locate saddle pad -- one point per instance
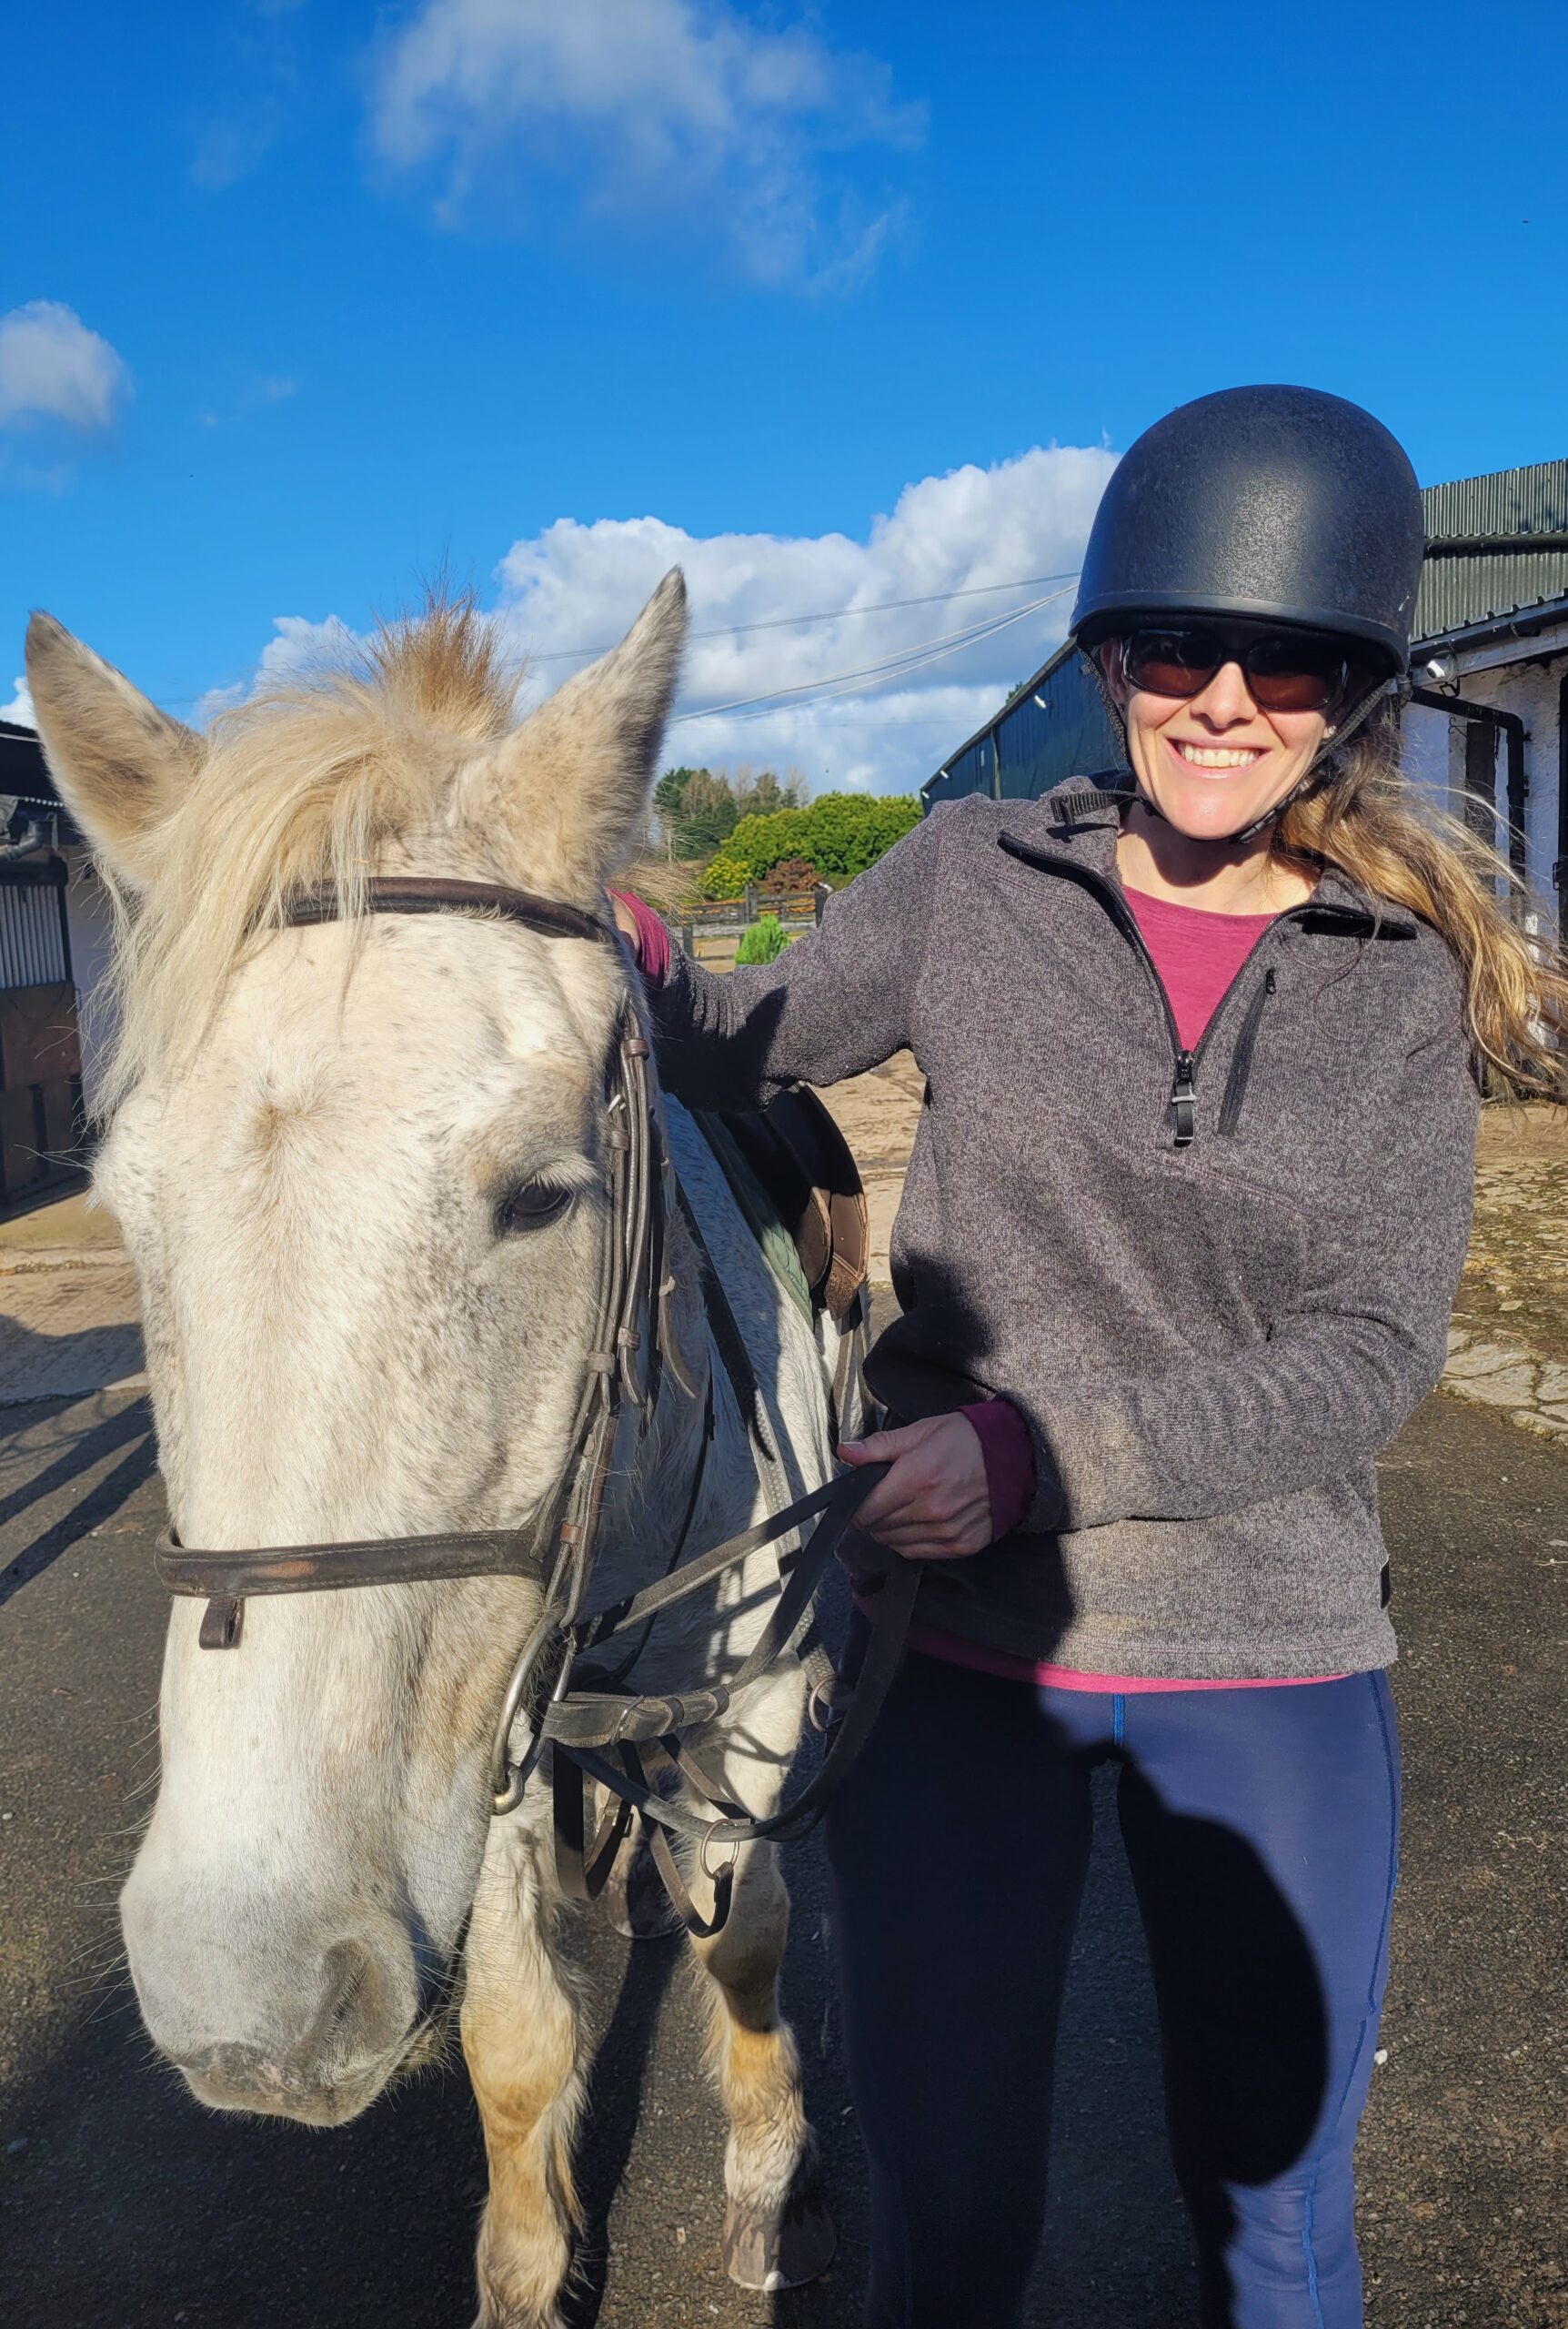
(763, 1216)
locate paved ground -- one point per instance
(67, 1305)
(126, 2207)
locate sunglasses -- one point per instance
(1286, 670)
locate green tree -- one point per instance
(668, 792)
(761, 941)
(762, 795)
(760, 843)
(707, 816)
(724, 876)
(846, 831)
(840, 834)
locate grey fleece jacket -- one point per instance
(1214, 1285)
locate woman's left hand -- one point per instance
(934, 1505)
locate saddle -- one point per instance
(789, 1167)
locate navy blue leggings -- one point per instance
(1262, 1830)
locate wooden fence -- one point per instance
(715, 926)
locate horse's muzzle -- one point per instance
(321, 2065)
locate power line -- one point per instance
(832, 614)
(901, 666)
(898, 665)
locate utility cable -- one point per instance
(832, 614)
(901, 666)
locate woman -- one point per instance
(1175, 1258)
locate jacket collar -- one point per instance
(1075, 827)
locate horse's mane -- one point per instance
(306, 781)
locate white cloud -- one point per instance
(297, 644)
(576, 586)
(52, 366)
(680, 109)
(568, 592)
(19, 711)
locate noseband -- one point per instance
(632, 1347)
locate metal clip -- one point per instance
(725, 1844)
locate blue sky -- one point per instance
(299, 301)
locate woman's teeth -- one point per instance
(1217, 755)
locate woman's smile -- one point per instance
(1215, 758)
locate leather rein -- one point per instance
(599, 1731)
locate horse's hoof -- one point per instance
(634, 1902)
(767, 2248)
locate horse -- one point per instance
(360, 1166)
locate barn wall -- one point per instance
(1530, 690)
(92, 930)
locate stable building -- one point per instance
(1488, 723)
(55, 934)
(1486, 728)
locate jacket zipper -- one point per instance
(1183, 1101)
(1241, 1057)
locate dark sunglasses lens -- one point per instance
(1296, 674)
(1172, 662)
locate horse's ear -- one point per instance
(121, 764)
(571, 784)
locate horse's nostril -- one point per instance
(347, 1968)
(331, 2032)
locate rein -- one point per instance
(599, 1731)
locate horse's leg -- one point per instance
(777, 2229)
(527, 2059)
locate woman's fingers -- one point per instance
(934, 1504)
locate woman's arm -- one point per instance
(839, 1001)
(1336, 1377)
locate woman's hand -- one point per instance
(934, 1505)
(626, 922)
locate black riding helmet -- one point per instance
(1280, 506)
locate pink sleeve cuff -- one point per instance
(652, 940)
(1008, 1462)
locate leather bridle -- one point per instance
(606, 1734)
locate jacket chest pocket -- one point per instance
(1234, 1100)
(1306, 1106)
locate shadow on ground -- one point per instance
(127, 2207)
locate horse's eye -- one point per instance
(530, 1205)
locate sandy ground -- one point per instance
(68, 1312)
(878, 1115)
(1515, 1282)
(68, 1302)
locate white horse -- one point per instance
(360, 1168)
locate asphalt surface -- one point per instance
(126, 2206)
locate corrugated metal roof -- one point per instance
(1479, 562)
(1055, 727)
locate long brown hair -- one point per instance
(1362, 816)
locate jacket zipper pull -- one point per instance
(1183, 1099)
